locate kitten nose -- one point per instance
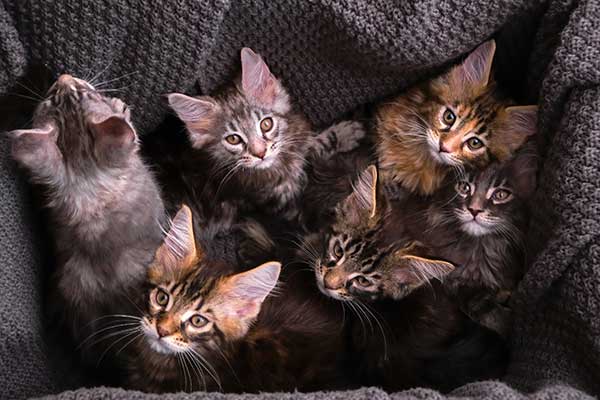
(474, 211)
(165, 328)
(331, 280)
(260, 150)
(444, 148)
(64, 79)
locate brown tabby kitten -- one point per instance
(105, 206)
(368, 262)
(208, 328)
(456, 119)
(478, 223)
(258, 142)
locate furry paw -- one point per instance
(349, 134)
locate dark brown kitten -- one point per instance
(407, 331)
(478, 223)
(210, 328)
(257, 143)
(106, 210)
(456, 119)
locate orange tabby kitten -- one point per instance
(455, 119)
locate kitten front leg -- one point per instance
(339, 138)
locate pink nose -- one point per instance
(443, 148)
(65, 79)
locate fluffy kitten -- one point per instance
(456, 119)
(368, 262)
(106, 210)
(478, 224)
(208, 327)
(258, 143)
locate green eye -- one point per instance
(362, 281)
(463, 188)
(474, 143)
(501, 195)
(198, 321)
(233, 139)
(162, 298)
(448, 117)
(338, 251)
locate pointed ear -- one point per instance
(474, 71)
(178, 250)
(113, 131)
(516, 126)
(35, 149)
(258, 83)
(363, 199)
(523, 169)
(199, 115)
(417, 269)
(244, 293)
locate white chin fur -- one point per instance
(474, 228)
(160, 345)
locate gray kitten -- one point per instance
(106, 209)
(259, 143)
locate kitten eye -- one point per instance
(233, 139)
(338, 252)
(449, 117)
(198, 321)
(501, 195)
(463, 188)
(266, 124)
(161, 297)
(474, 143)
(362, 281)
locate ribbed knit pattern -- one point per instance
(335, 55)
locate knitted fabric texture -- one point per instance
(334, 56)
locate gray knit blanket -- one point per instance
(333, 55)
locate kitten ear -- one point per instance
(35, 149)
(474, 71)
(363, 198)
(416, 269)
(518, 124)
(523, 170)
(244, 293)
(198, 113)
(178, 249)
(113, 131)
(259, 84)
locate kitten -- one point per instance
(258, 143)
(448, 122)
(210, 327)
(104, 204)
(478, 224)
(368, 261)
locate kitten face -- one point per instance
(249, 126)
(492, 200)
(189, 307)
(358, 264)
(76, 126)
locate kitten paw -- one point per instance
(348, 134)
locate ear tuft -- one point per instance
(475, 70)
(522, 119)
(198, 114)
(364, 195)
(178, 249)
(258, 83)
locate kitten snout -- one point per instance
(334, 280)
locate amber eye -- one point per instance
(362, 281)
(233, 139)
(266, 124)
(474, 143)
(463, 188)
(162, 298)
(501, 195)
(449, 117)
(338, 251)
(198, 321)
